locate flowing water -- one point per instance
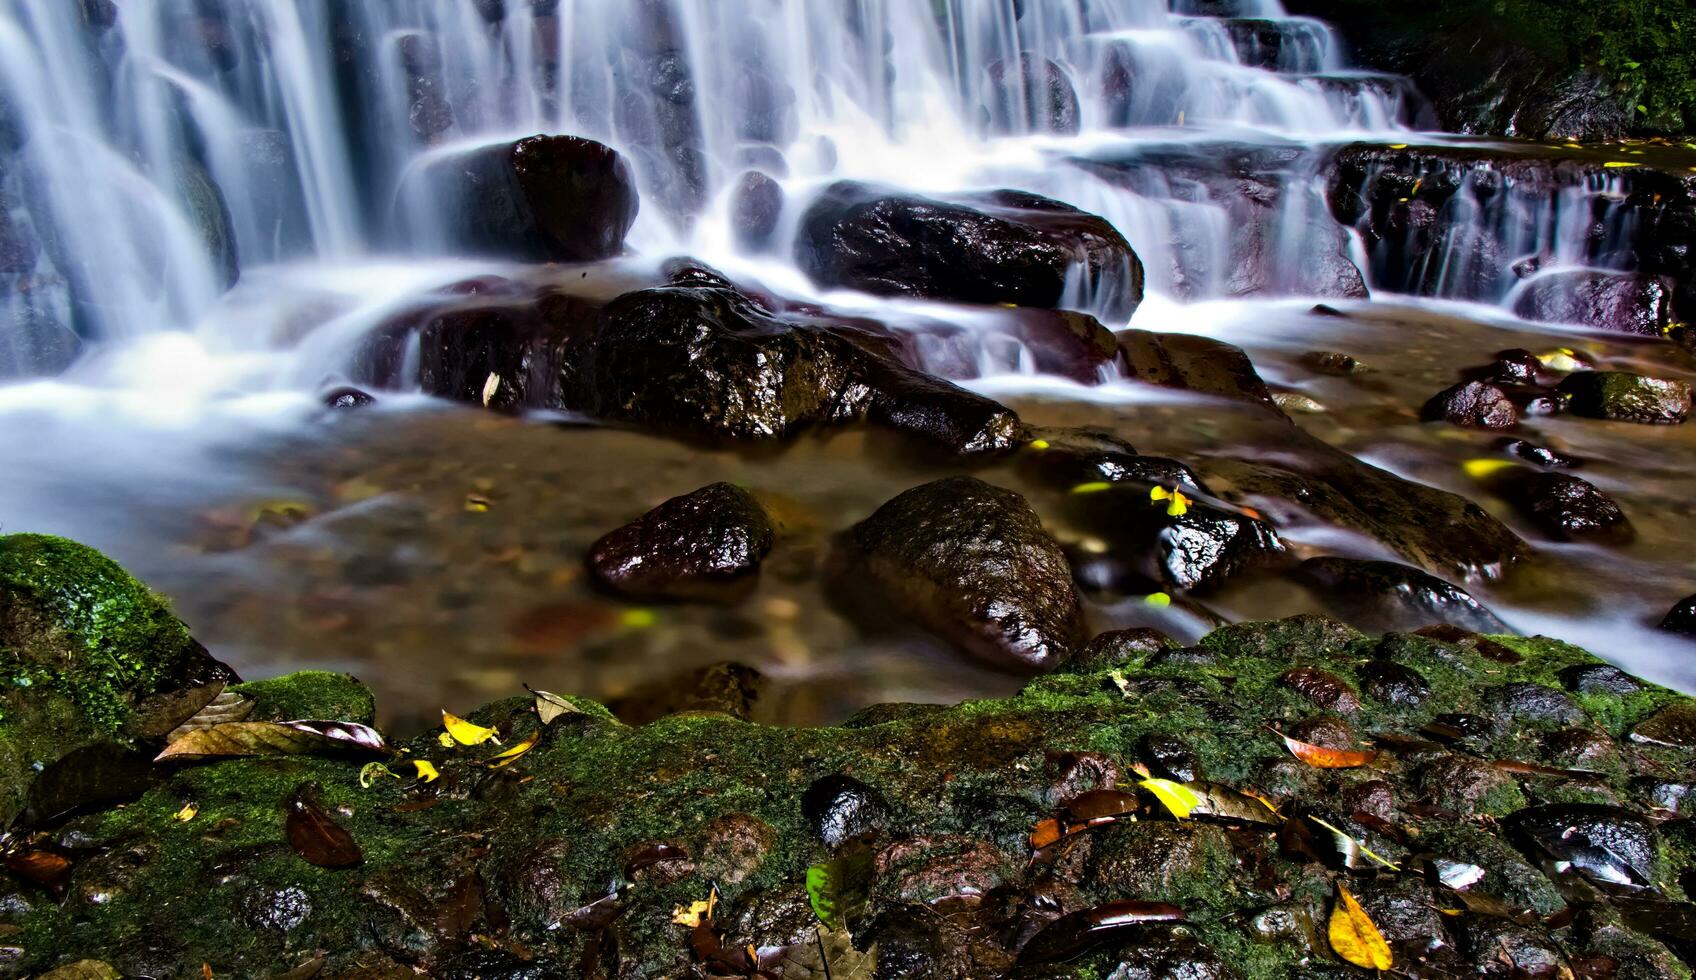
(217, 200)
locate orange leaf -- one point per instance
(1320, 757)
(1046, 832)
(1355, 936)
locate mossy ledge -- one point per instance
(490, 871)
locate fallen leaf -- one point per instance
(515, 753)
(465, 733)
(1348, 844)
(187, 813)
(1354, 935)
(1176, 797)
(46, 868)
(1046, 832)
(839, 890)
(259, 738)
(315, 835)
(1226, 805)
(830, 956)
(1320, 757)
(552, 707)
(1102, 803)
(1070, 935)
(225, 708)
(426, 771)
(373, 771)
(696, 913)
(306, 970)
(490, 386)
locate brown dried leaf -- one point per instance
(315, 835)
(46, 868)
(260, 738)
(82, 970)
(227, 707)
(1070, 935)
(1320, 757)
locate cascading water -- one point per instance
(214, 201)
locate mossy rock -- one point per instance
(87, 655)
(310, 694)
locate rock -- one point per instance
(1567, 508)
(100, 658)
(1165, 953)
(1333, 363)
(705, 545)
(1157, 861)
(1405, 911)
(1599, 679)
(724, 688)
(1142, 547)
(1534, 703)
(1474, 404)
(1169, 757)
(347, 398)
(1119, 648)
(840, 809)
(733, 847)
(1187, 362)
(1323, 689)
(972, 563)
(709, 361)
(1397, 685)
(1467, 785)
(1616, 301)
(1504, 949)
(1673, 725)
(1624, 397)
(544, 198)
(1032, 95)
(1604, 844)
(1325, 730)
(18, 245)
(756, 207)
(36, 344)
(1000, 247)
(1064, 459)
(1511, 367)
(1539, 455)
(1380, 596)
(1682, 618)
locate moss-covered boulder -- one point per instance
(88, 656)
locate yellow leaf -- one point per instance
(1564, 359)
(445, 740)
(1355, 936)
(476, 503)
(426, 771)
(1038, 444)
(465, 733)
(1159, 600)
(1176, 797)
(1479, 469)
(1180, 504)
(1358, 843)
(1159, 493)
(695, 913)
(490, 387)
(1619, 163)
(1092, 487)
(512, 755)
(638, 619)
(187, 813)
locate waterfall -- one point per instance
(156, 151)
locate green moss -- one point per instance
(316, 694)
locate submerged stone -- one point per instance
(703, 545)
(972, 563)
(1622, 302)
(1381, 596)
(1567, 508)
(1681, 619)
(1624, 397)
(1472, 403)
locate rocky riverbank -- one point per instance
(1497, 805)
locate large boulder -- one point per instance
(1618, 301)
(702, 545)
(1000, 247)
(543, 198)
(1187, 362)
(1133, 543)
(97, 667)
(708, 360)
(971, 563)
(1031, 95)
(1387, 595)
(1624, 397)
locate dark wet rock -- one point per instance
(755, 210)
(1186, 362)
(924, 871)
(1503, 949)
(1511, 367)
(1624, 397)
(725, 688)
(1001, 247)
(1616, 301)
(1071, 774)
(18, 245)
(1682, 618)
(840, 809)
(1169, 757)
(1473, 404)
(1673, 725)
(35, 343)
(1466, 785)
(544, 198)
(1031, 95)
(1537, 455)
(1534, 703)
(1379, 596)
(101, 659)
(1599, 679)
(347, 398)
(1397, 685)
(1567, 508)
(1323, 689)
(1069, 459)
(732, 848)
(703, 545)
(1604, 844)
(1119, 648)
(972, 563)
(1333, 363)
(1677, 797)
(1405, 912)
(1164, 953)
(1578, 748)
(1158, 861)
(1064, 342)
(707, 360)
(499, 964)
(1537, 401)
(1326, 731)
(1144, 547)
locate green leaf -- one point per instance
(839, 890)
